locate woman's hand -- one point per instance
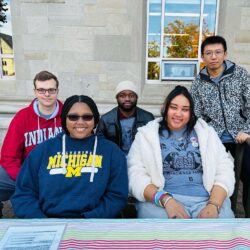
(241, 137)
(210, 211)
(175, 210)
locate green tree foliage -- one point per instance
(153, 49)
(153, 71)
(3, 9)
(153, 67)
(183, 38)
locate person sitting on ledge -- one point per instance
(29, 127)
(77, 174)
(178, 167)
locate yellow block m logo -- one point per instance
(73, 171)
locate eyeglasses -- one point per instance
(86, 117)
(43, 91)
(210, 53)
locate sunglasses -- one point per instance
(74, 118)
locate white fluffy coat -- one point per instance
(145, 160)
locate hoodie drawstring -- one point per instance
(38, 123)
(91, 179)
(93, 162)
(63, 154)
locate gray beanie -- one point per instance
(126, 85)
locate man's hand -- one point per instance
(241, 137)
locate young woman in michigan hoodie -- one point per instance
(77, 174)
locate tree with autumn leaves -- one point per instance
(183, 38)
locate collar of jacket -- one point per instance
(136, 114)
(121, 116)
(230, 66)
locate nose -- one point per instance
(47, 93)
(213, 55)
(127, 98)
(178, 112)
(80, 120)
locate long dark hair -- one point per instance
(71, 101)
(178, 90)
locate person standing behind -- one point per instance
(29, 127)
(120, 124)
(221, 94)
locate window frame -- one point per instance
(7, 55)
(161, 60)
(174, 62)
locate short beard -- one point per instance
(125, 109)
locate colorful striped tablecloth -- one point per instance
(146, 234)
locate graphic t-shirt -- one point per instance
(127, 133)
(182, 167)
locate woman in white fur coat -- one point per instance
(178, 167)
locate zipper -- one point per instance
(118, 133)
(221, 104)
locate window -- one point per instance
(7, 67)
(175, 30)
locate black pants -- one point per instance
(245, 175)
(130, 211)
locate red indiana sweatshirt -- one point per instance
(25, 131)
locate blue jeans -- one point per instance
(7, 187)
(192, 205)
